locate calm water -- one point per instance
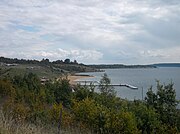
(141, 78)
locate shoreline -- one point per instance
(72, 78)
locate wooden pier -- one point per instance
(96, 83)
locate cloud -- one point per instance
(92, 56)
(125, 31)
(80, 55)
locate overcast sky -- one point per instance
(91, 31)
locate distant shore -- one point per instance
(72, 78)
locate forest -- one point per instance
(27, 106)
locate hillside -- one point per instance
(43, 68)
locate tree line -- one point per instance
(43, 61)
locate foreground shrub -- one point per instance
(103, 120)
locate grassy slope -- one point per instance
(41, 71)
(49, 71)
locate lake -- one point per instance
(143, 78)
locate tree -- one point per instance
(33, 82)
(120, 122)
(63, 92)
(104, 86)
(45, 61)
(164, 101)
(67, 61)
(146, 118)
(87, 111)
(75, 62)
(151, 98)
(82, 93)
(108, 95)
(103, 120)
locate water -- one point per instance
(141, 78)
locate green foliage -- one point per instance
(103, 120)
(6, 88)
(107, 101)
(62, 92)
(121, 122)
(25, 99)
(151, 98)
(33, 82)
(164, 102)
(105, 87)
(54, 115)
(146, 117)
(83, 92)
(12, 67)
(86, 111)
(107, 95)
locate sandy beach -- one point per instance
(72, 78)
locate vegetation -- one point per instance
(43, 61)
(44, 68)
(27, 106)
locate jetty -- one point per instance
(97, 83)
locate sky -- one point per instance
(91, 31)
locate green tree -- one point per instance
(63, 92)
(83, 92)
(105, 87)
(33, 82)
(151, 98)
(146, 118)
(49, 91)
(107, 94)
(164, 101)
(121, 122)
(104, 120)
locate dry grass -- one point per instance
(9, 126)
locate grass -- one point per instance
(51, 71)
(10, 126)
(41, 71)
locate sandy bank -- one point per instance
(72, 78)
